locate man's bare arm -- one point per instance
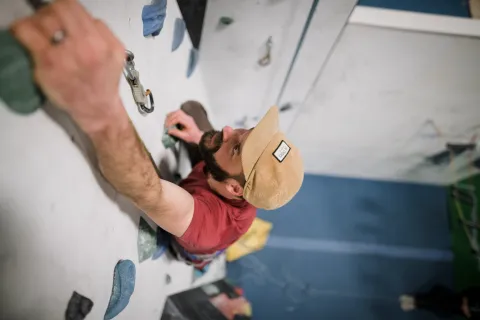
(80, 74)
(126, 165)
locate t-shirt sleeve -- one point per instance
(208, 222)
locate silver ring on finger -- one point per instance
(58, 37)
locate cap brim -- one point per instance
(258, 140)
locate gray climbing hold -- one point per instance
(147, 240)
(178, 33)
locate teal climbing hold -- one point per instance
(226, 21)
(147, 240)
(168, 141)
(17, 86)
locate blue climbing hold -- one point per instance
(153, 16)
(198, 273)
(178, 33)
(192, 61)
(122, 289)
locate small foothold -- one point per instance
(226, 21)
(168, 279)
(192, 61)
(285, 107)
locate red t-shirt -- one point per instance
(217, 222)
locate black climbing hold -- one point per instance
(476, 163)
(168, 279)
(78, 307)
(286, 107)
(458, 148)
(226, 21)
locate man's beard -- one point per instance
(209, 144)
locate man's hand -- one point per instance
(190, 132)
(79, 73)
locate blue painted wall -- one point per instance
(457, 8)
(346, 249)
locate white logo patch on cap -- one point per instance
(281, 152)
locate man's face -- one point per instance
(222, 151)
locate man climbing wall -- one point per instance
(78, 65)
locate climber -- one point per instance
(78, 64)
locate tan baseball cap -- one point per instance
(272, 165)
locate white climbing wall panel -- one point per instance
(236, 85)
(386, 100)
(62, 228)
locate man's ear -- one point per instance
(234, 187)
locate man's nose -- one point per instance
(227, 132)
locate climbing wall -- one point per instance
(386, 101)
(62, 227)
(239, 88)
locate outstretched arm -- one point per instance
(126, 165)
(80, 74)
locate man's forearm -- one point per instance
(124, 161)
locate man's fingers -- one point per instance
(115, 45)
(30, 37)
(178, 133)
(172, 120)
(75, 21)
(48, 23)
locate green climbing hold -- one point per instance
(17, 87)
(169, 141)
(226, 21)
(147, 240)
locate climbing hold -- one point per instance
(197, 273)
(226, 21)
(147, 240)
(122, 288)
(168, 141)
(287, 106)
(168, 279)
(78, 307)
(153, 16)
(192, 61)
(178, 33)
(17, 87)
(476, 163)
